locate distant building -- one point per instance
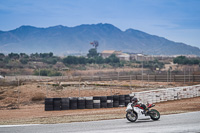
(141, 57)
(124, 56)
(119, 54)
(107, 53)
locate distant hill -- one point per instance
(65, 40)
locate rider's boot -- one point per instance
(146, 111)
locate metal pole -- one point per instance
(79, 88)
(142, 68)
(167, 75)
(189, 75)
(39, 74)
(130, 83)
(170, 76)
(118, 76)
(18, 100)
(62, 74)
(184, 76)
(111, 88)
(46, 90)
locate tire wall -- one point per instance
(153, 96)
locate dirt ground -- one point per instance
(35, 114)
(24, 104)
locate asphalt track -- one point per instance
(176, 123)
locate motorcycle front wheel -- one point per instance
(154, 114)
(131, 116)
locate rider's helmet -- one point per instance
(134, 100)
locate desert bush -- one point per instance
(38, 97)
(24, 61)
(46, 72)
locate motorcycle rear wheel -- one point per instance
(154, 114)
(131, 116)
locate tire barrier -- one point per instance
(121, 100)
(153, 96)
(103, 101)
(73, 102)
(81, 103)
(89, 102)
(115, 101)
(109, 101)
(65, 103)
(48, 104)
(96, 102)
(57, 103)
(127, 99)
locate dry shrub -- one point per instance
(2, 97)
(38, 97)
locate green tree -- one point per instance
(46, 72)
(99, 60)
(114, 59)
(90, 60)
(70, 60)
(82, 60)
(13, 56)
(23, 55)
(185, 61)
(36, 55)
(92, 53)
(2, 56)
(24, 61)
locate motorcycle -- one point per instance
(137, 112)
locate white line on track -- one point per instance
(23, 125)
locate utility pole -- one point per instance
(18, 99)
(142, 68)
(184, 76)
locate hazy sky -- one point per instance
(176, 20)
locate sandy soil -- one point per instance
(35, 114)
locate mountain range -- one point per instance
(67, 40)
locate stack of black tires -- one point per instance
(121, 100)
(89, 102)
(65, 103)
(48, 104)
(127, 99)
(81, 103)
(103, 101)
(109, 101)
(97, 102)
(115, 101)
(86, 102)
(56, 103)
(73, 102)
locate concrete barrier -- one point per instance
(168, 94)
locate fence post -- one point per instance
(193, 79)
(174, 78)
(118, 76)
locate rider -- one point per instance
(135, 102)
